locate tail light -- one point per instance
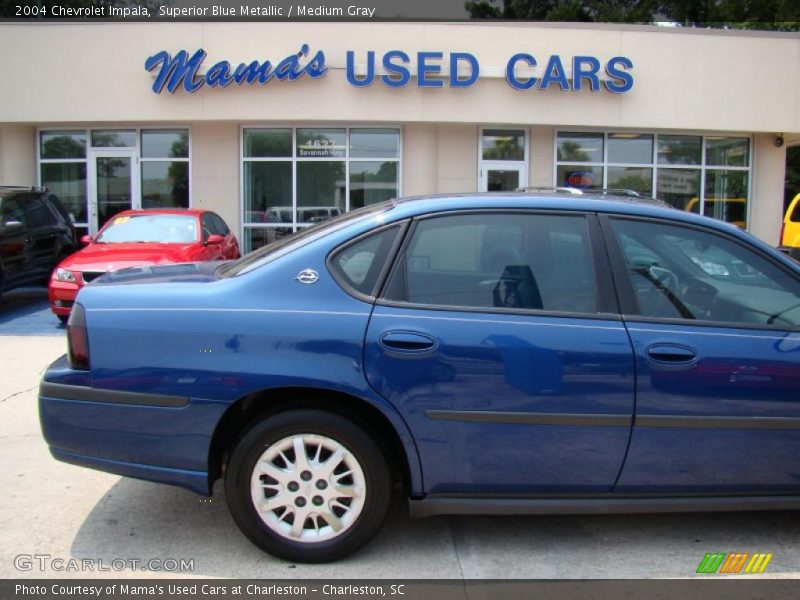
(77, 339)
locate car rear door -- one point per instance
(498, 339)
(715, 325)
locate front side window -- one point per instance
(686, 273)
(506, 261)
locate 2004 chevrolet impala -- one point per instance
(516, 353)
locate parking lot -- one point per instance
(63, 512)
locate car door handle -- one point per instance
(671, 353)
(407, 341)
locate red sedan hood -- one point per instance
(112, 257)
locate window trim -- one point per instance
(655, 166)
(601, 269)
(384, 272)
(293, 159)
(627, 296)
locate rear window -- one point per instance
(167, 229)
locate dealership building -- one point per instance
(276, 126)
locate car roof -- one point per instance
(583, 202)
(162, 211)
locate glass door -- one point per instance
(503, 159)
(114, 185)
(502, 177)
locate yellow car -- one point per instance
(732, 210)
(790, 231)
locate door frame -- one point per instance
(523, 166)
(91, 176)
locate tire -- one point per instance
(63, 318)
(339, 519)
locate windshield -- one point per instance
(165, 229)
(268, 252)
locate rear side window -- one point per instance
(511, 261)
(13, 210)
(358, 266)
(681, 272)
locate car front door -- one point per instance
(715, 326)
(15, 245)
(498, 340)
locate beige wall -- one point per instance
(215, 170)
(744, 82)
(17, 155)
(766, 201)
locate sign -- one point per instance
(580, 179)
(523, 71)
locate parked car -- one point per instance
(790, 230)
(510, 353)
(732, 210)
(136, 238)
(36, 233)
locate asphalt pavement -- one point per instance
(53, 512)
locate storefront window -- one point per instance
(707, 175)
(165, 143)
(372, 182)
(630, 148)
(62, 144)
(580, 147)
(265, 143)
(165, 184)
(67, 158)
(637, 179)
(680, 149)
(294, 178)
(68, 182)
(727, 152)
(321, 143)
(503, 144)
(680, 188)
(107, 138)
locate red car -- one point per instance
(141, 237)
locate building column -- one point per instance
(540, 169)
(766, 202)
(17, 154)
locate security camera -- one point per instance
(778, 141)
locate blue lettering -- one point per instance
(403, 75)
(255, 70)
(512, 79)
(623, 81)
(175, 71)
(218, 74)
(554, 73)
(316, 67)
(585, 67)
(351, 69)
(424, 69)
(455, 58)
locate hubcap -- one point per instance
(308, 488)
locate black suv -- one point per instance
(36, 233)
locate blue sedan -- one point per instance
(515, 353)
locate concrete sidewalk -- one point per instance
(50, 508)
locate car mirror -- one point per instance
(214, 239)
(86, 240)
(13, 227)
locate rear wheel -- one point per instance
(308, 486)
